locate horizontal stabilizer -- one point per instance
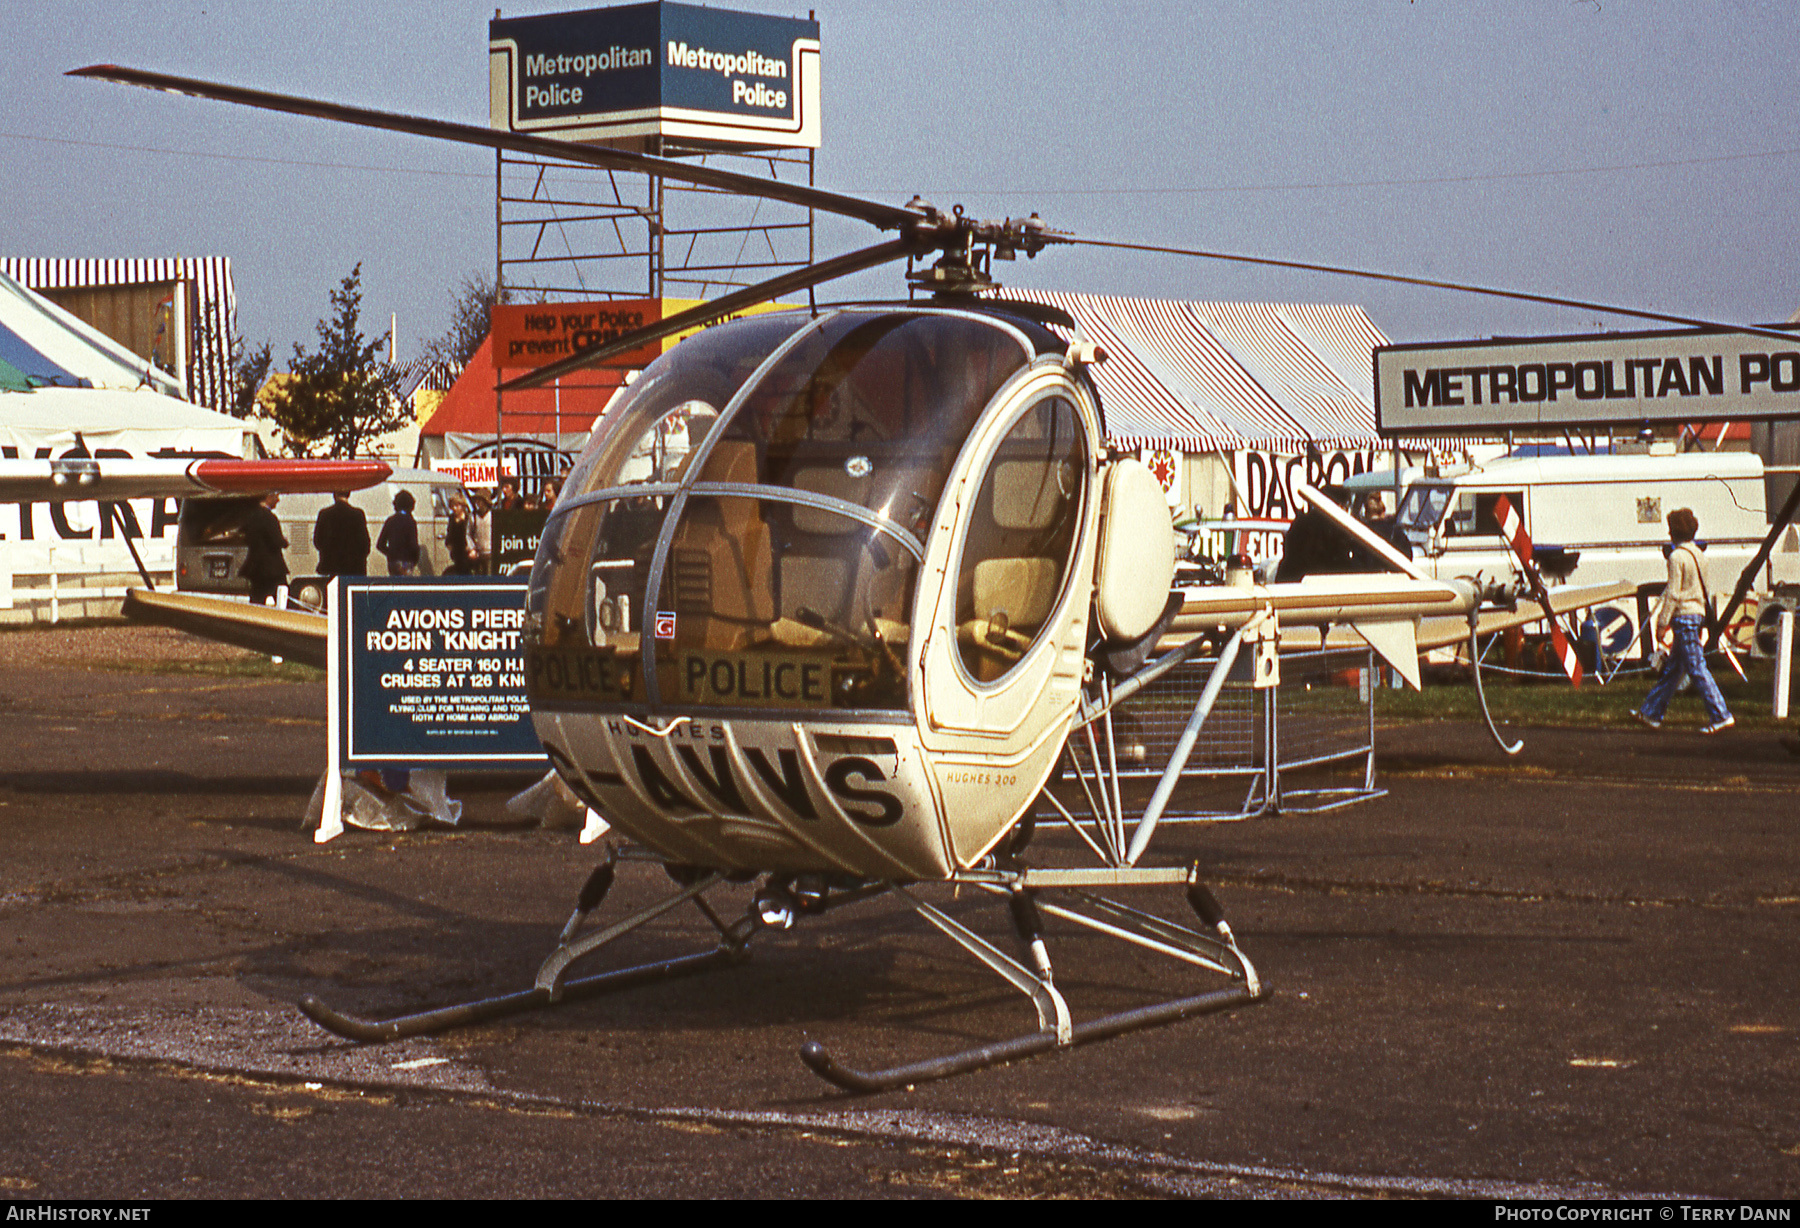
(1395, 643)
(1442, 632)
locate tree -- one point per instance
(249, 371)
(471, 316)
(340, 397)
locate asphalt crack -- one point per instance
(1294, 884)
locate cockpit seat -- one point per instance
(719, 560)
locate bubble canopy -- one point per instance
(746, 526)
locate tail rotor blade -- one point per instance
(1512, 530)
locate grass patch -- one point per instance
(38, 626)
(1557, 704)
(253, 668)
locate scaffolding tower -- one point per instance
(567, 232)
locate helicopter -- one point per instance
(842, 603)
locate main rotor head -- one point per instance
(969, 246)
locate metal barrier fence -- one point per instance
(1323, 712)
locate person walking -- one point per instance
(1684, 608)
(399, 540)
(264, 564)
(341, 537)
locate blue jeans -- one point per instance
(1689, 657)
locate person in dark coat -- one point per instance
(1315, 545)
(264, 564)
(456, 541)
(1387, 528)
(399, 540)
(341, 536)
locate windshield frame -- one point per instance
(677, 496)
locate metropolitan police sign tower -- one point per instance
(621, 76)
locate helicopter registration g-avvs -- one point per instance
(831, 596)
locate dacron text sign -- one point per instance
(1549, 383)
(657, 70)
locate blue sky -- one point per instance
(1617, 150)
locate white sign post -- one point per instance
(331, 820)
(1784, 663)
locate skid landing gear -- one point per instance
(552, 986)
(1029, 893)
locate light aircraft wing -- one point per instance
(1444, 631)
(1399, 617)
(80, 478)
(1440, 633)
(289, 634)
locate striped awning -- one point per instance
(1202, 377)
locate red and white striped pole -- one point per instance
(1512, 528)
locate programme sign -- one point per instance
(430, 673)
(1549, 383)
(482, 471)
(644, 70)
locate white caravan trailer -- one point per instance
(1594, 519)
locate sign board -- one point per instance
(475, 471)
(430, 673)
(516, 535)
(1612, 379)
(620, 75)
(531, 335)
(531, 461)
(1265, 484)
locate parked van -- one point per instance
(210, 548)
(1595, 519)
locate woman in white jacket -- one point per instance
(1683, 609)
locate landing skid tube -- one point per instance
(1107, 1026)
(775, 905)
(426, 1023)
(552, 988)
(1216, 952)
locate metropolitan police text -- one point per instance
(1610, 379)
(730, 64)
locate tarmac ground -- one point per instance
(1564, 975)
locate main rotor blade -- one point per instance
(737, 300)
(1404, 280)
(887, 217)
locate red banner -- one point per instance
(528, 336)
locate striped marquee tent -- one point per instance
(43, 346)
(212, 307)
(1222, 377)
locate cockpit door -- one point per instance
(1005, 644)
